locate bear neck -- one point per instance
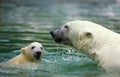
(90, 51)
(28, 57)
(95, 48)
(20, 59)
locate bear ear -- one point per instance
(88, 35)
(22, 50)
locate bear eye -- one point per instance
(66, 26)
(41, 48)
(32, 47)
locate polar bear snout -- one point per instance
(57, 35)
(37, 55)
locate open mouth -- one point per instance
(58, 40)
(37, 56)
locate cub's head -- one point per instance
(75, 34)
(33, 52)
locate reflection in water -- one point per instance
(23, 22)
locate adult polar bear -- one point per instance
(100, 44)
(31, 53)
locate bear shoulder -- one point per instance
(18, 59)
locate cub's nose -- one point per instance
(38, 53)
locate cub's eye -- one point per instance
(41, 48)
(66, 26)
(32, 47)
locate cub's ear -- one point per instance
(86, 35)
(22, 50)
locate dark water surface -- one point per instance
(25, 21)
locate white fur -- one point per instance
(104, 47)
(27, 53)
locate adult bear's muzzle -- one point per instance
(57, 35)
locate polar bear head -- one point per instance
(97, 42)
(79, 34)
(33, 52)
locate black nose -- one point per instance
(38, 53)
(52, 33)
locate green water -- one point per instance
(25, 21)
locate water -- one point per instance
(22, 22)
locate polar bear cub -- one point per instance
(31, 53)
(97, 42)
